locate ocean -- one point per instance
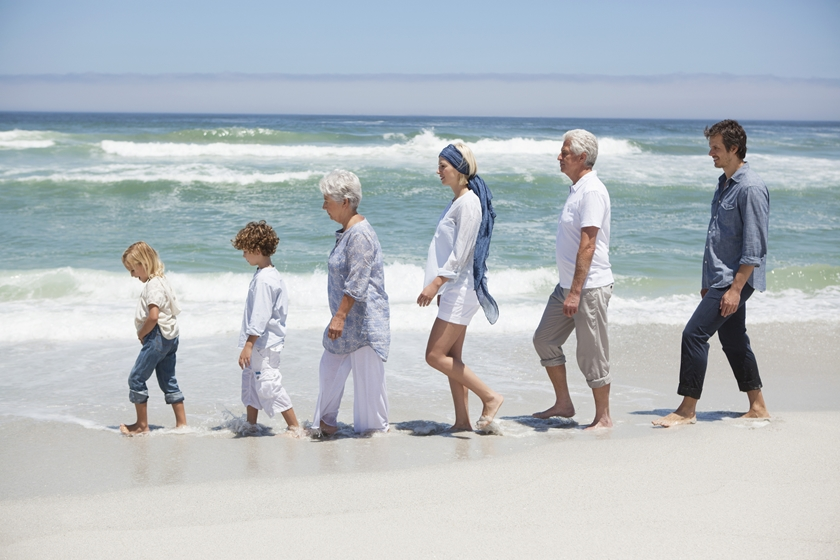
(77, 189)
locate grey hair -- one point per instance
(583, 142)
(342, 185)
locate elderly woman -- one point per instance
(455, 274)
(359, 334)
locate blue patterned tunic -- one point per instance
(356, 269)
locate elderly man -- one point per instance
(733, 267)
(580, 300)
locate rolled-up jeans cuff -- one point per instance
(139, 397)
(600, 382)
(746, 387)
(691, 392)
(174, 398)
(552, 362)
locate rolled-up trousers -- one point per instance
(732, 333)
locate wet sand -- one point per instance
(719, 489)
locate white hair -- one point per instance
(583, 142)
(342, 185)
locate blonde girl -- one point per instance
(157, 331)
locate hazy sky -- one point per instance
(786, 39)
(658, 59)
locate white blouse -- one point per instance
(453, 246)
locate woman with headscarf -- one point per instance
(455, 274)
(359, 334)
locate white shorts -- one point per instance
(262, 386)
(458, 306)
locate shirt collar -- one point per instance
(582, 181)
(736, 177)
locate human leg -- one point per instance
(442, 340)
(251, 414)
(141, 426)
(553, 331)
(165, 371)
(593, 350)
(460, 394)
(694, 356)
(138, 392)
(602, 408)
(332, 376)
(370, 395)
(736, 345)
(757, 407)
(268, 382)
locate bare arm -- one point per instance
(583, 261)
(732, 298)
(429, 292)
(151, 321)
(337, 323)
(245, 355)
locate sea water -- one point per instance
(77, 189)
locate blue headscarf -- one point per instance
(485, 231)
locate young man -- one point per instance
(734, 265)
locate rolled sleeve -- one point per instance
(755, 208)
(360, 260)
(466, 233)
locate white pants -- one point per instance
(370, 399)
(262, 386)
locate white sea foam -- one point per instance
(179, 173)
(420, 147)
(25, 139)
(75, 304)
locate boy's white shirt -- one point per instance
(157, 291)
(265, 310)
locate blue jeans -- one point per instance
(732, 332)
(157, 355)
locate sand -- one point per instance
(723, 488)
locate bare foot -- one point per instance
(565, 411)
(328, 430)
(293, 432)
(133, 429)
(598, 423)
(675, 419)
(488, 413)
(757, 414)
(454, 428)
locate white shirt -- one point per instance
(157, 292)
(588, 205)
(265, 310)
(453, 246)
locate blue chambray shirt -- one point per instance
(738, 230)
(356, 269)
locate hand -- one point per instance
(427, 295)
(729, 302)
(571, 304)
(245, 357)
(336, 327)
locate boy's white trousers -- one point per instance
(370, 398)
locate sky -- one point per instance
(797, 42)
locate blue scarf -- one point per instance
(485, 231)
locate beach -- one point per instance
(722, 488)
(77, 189)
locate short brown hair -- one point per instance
(256, 237)
(733, 134)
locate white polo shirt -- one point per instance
(588, 205)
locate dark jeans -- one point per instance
(732, 332)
